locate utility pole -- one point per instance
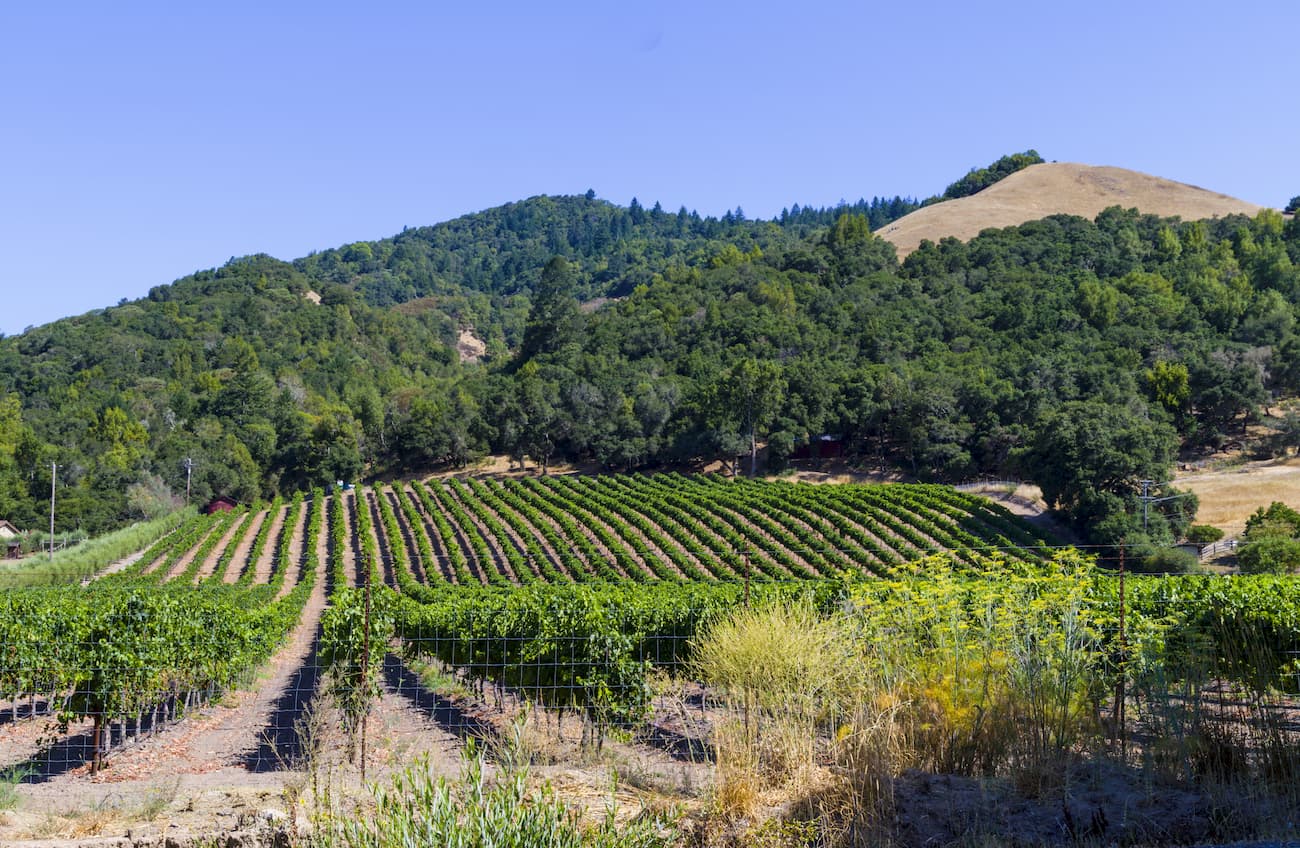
(54, 472)
(1147, 499)
(189, 469)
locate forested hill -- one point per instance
(1078, 353)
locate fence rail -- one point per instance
(1214, 549)
(988, 483)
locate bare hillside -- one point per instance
(1058, 188)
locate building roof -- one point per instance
(220, 503)
(7, 530)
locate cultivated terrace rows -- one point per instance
(218, 597)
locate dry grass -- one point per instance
(1058, 188)
(779, 667)
(1229, 497)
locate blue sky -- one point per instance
(143, 141)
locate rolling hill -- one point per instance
(1010, 354)
(1054, 188)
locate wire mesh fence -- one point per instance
(1117, 674)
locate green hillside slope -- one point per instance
(1080, 354)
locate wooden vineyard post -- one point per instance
(96, 742)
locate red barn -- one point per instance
(826, 446)
(221, 504)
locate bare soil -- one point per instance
(469, 347)
(183, 562)
(298, 551)
(239, 561)
(266, 561)
(209, 565)
(113, 568)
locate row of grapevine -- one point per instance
(592, 646)
(455, 556)
(137, 651)
(53, 660)
(677, 527)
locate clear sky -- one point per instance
(142, 141)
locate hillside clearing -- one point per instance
(1228, 497)
(1059, 188)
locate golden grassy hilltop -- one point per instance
(1058, 188)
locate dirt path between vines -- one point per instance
(239, 560)
(387, 565)
(186, 559)
(551, 552)
(227, 764)
(350, 537)
(113, 568)
(266, 560)
(495, 551)
(298, 551)
(506, 517)
(415, 564)
(575, 508)
(214, 557)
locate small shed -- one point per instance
(825, 446)
(221, 504)
(8, 531)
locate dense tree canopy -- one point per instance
(1081, 354)
(981, 178)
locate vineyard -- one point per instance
(565, 592)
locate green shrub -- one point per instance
(1270, 555)
(1203, 534)
(474, 812)
(1278, 519)
(9, 780)
(1169, 561)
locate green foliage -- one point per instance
(968, 359)
(1272, 541)
(1204, 534)
(1275, 519)
(9, 780)
(1169, 561)
(119, 648)
(552, 319)
(89, 557)
(986, 669)
(980, 179)
(587, 647)
(475, 811)
(353, 652)
(1269, 555)
(1168, 385)
(1088, 458)
(1293, 206)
